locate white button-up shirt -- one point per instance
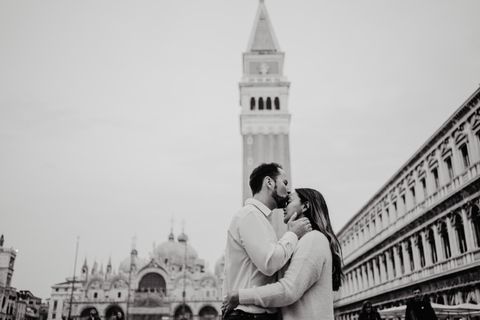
(254, 254)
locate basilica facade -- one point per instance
(422, 228)
(172, 284)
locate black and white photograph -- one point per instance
(239, 159)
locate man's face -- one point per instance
(417, 295)
(281, 189)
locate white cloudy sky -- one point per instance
(116, 116)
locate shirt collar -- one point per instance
(263, 208)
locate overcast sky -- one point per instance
(118, 116)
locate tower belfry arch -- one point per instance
(264, 91)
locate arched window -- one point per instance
(421, 251)
(260, 104)
(475, 214)
(410, 255)
(440, 299)
(269, 103)
(383, 261)
(366, 276)
(445, 240)
(372, 272)
(400, 256)
(448, 163)
(252, 103)
(433, 247)
(435, 178)
(392, 260)
(277, 103)
(460, 233)
(152, 282)
(465, 158)
(357, 282)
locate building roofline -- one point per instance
(437, 136)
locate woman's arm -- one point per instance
(304, 270)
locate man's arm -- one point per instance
(409, 312)
(267, 255)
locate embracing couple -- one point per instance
(294, 277)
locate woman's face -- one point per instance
(293, 205)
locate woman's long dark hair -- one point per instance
(317, 213)
(366, 303)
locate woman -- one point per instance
(368, 313)
(314, 271)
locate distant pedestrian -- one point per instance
(119, 316)
(419, 308)
(93, 315)
(368, 313)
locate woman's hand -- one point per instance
(230, 302)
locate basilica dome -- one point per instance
(174, 251)
(138, 263)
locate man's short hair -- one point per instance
(259, 173)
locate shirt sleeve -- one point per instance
(304, 270)
(267, 255)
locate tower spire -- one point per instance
(85, 268)
(262, 37)
(171, 237)
(109, 266)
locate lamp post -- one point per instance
(132, 263)
(184, 279)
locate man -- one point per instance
(254, 254)
(419, 308)
(93, 315)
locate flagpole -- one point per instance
(73, 282)
(130, 277)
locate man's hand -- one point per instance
(300, 227)
(230, 302)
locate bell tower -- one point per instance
(264, 119)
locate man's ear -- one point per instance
(268, 182)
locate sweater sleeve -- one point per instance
(304, 270)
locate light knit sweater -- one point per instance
(305, 291)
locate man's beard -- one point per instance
(280, 201)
